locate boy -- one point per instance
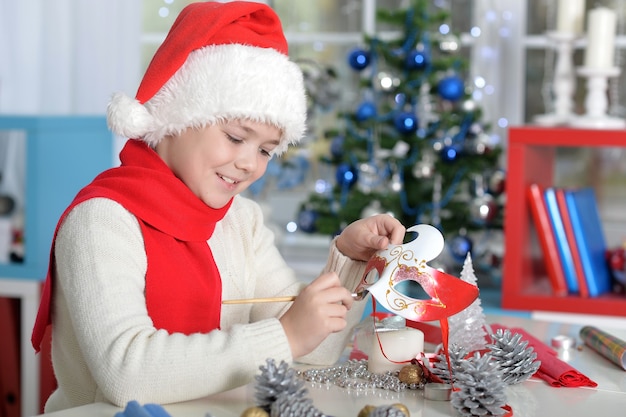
(134, 292)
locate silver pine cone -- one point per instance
(290, 406)
(517, 360)
(440, 367)
(480, 388)
(275, 381)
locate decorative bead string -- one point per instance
(354, 374)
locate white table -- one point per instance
(533, 398)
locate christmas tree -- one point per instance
(467, 328)
(413, 145)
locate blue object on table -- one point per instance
(134, 409)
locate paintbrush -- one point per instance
(284, 299)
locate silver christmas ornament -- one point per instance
(396, 183)
(449, 44)
(400, 149)
(483, 209)
(371, 177)
(426, 106)
(425, 167)
(496, 182)
(469, 105)
(386, 82)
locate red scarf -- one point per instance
(183, 285)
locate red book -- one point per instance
(547, 240)
(571, 240)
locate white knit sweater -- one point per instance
(104, 347)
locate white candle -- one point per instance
(570, 16)
(600, 38)
(401, 345)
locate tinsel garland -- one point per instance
(280, 393)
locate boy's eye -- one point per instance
(233, 139)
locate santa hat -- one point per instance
(219, 61)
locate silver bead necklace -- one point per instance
(354, 374)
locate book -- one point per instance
(583, 291)
(587, 226)
(551, 255)
(562, 244)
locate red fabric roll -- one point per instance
(553, 370)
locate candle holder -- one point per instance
(563, 84)
(596, 101)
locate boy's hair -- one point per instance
(219, 61)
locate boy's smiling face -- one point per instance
(222, 160)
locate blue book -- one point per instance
(587, 225)
(562, 244)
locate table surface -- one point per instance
(533, 398)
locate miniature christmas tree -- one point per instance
(467, 328)
(414, 144)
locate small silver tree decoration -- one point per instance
(467, 328)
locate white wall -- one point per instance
(67, 56)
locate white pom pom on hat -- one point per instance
(220, 61)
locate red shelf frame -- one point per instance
(531, 159)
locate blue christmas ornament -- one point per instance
(406, 122)
(306, 220)
(359, 59)
(451, 88)
(416, 60)
(449, 153)
(336, 146)
(366, 110)
(460, 246)
(346, 175)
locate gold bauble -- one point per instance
(368, 409)
(255, 412)
(365, 411)
(411, 374)
(402, 408)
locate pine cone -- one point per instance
(440, 367)
(286, 405)
(515, 358)
(480, 388)
(276, 380)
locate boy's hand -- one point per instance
(319, 310)
(362, 238)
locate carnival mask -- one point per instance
(398, 263)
